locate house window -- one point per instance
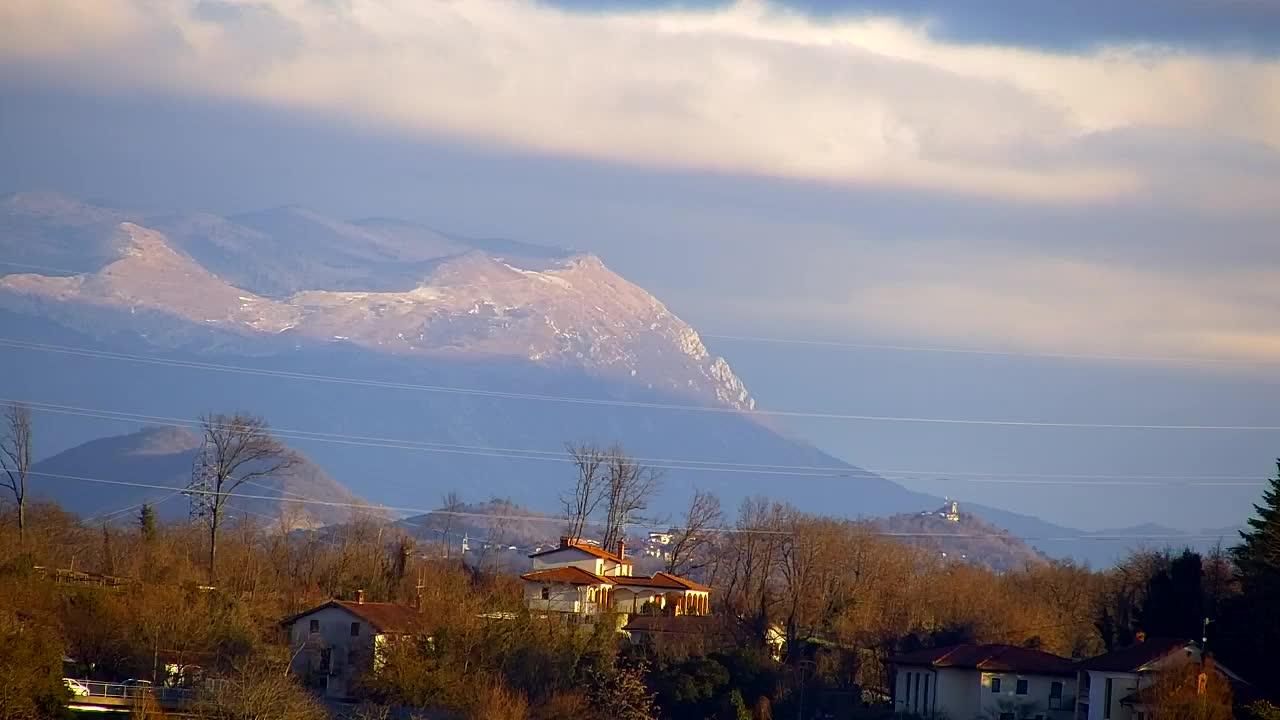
(1055, 695)
(995, 685)
(546, 593)
(925, 706)
(1106, 701)
(1021, 687)
(355, 629)
(325, 656)
(315, 626)
(1006, 716)
(352, 655)
(916, 701)
(906, 697)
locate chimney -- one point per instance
(359, 597)
(622, 549)
(565, 541)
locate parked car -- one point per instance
(76, 687)
(134, 687)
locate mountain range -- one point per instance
(161, 458)
(405, 361)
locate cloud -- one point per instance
(984, 298)
(749, 88)
(1231, 25)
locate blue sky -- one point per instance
(968, 174)
(1225, 25)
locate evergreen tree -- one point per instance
(147, 522)
(1174, 606)
(1252, 629)
(1257, 557)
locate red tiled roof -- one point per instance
(570, 574)
(1136, 657)
(689, 584)
(1000, 658)
(383, 617)
(589, 549)
(387, 617)
(657, 581)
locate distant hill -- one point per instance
(968, 539)
(491, 354)
(417, 362)
(496, 522)
(162, 457)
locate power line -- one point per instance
(648, 526)
(42, 267)
(660, 463)
(500, 394)
(121, 511)
(989, 352)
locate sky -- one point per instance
(1098, 180)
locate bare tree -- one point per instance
(237, 448)
(1190, 691)
(450, 506)
(694, 538)
(581, 503)
(15, 460)
(628, 488)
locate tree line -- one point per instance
(805, 605)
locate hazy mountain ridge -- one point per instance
(163, 456)
(404, 305)
(561, 309)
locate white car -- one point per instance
(76, 687)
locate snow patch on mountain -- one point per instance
(562, 311)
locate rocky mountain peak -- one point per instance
(390, 287)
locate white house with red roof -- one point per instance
(999, 682)
(333, 643)
(1112, 685)
(578, 578)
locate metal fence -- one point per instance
(128, 692)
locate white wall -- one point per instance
(1031, 705)
(959, 693)
(562, 598)
(335, 635)
(564, 557)
(631, 599)
(569, 557)
(1122, 684)
(916, 692)
(965, 694)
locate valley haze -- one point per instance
(407, 362)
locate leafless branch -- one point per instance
(581, 502)
(694, 538)
(15, 458)
(237, 448)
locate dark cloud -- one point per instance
(1251, 26)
